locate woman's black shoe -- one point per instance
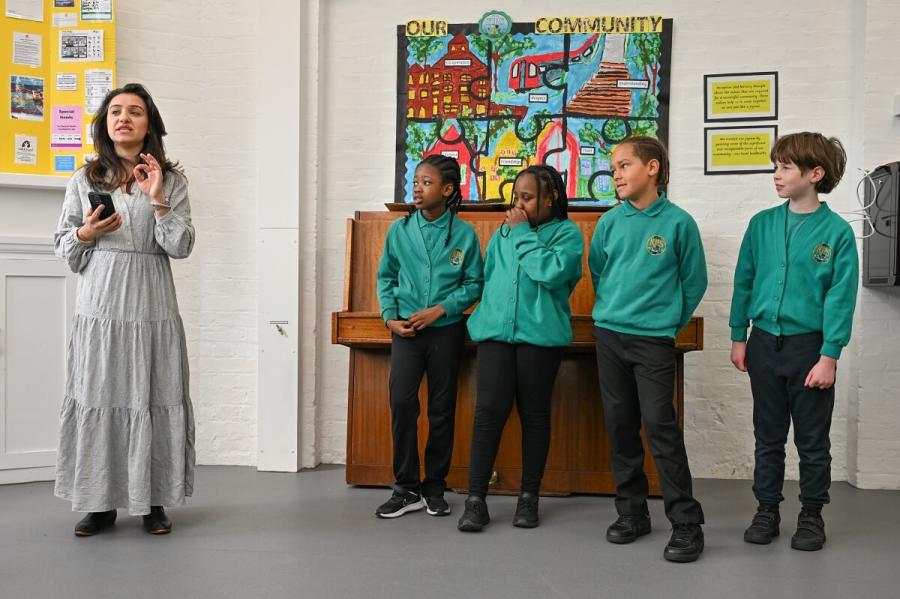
(94, 522)
(156, 522)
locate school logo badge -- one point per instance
(656, 245)
(456, 257)
(822, 253)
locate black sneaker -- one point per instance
(810, 535)
(475, 517)
(764, 526)
(401, 502)
(628, 528)
(686, 543)
(436, 505)
(526, 511)
(94, 522)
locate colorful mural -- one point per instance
(501, 99)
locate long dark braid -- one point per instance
(450, 173)
(548, 180)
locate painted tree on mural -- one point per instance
(591, 136)
(418, 140)
(648, 51)
(422, 46)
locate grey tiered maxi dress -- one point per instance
(126, 428)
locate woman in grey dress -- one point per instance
(126, 437)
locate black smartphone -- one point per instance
(97, 198)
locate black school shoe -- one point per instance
(436, 505)
(526, 511)
(401, 502)
(810, 535)
(94, 522)
(764, 526)
(628, 528)
(475, 516)
(686, 543)
(157, 522)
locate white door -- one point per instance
(36, 301)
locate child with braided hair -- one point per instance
(430, 272)
(532, 265)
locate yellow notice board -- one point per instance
(741, 96)
(731, 150)
(57, 62)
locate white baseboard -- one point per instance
(27, 475)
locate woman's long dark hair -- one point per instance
(107, 172)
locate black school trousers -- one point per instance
(778, 367)
(510, 373)
(637, 379)
(434, 351)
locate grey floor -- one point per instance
(251, 534)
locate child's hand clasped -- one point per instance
(423, 318)
(401, 327)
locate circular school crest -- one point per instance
(495, 24)
(656, 245)
(822, 253)
(456, 257)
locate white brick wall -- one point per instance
(198, 59)
(200, 66)
(877, 457)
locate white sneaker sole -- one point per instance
(432, 512)
(412, 507)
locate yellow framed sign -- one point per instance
(57, 63)
(741, 96)
(739, 150)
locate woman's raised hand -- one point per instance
(149, 177)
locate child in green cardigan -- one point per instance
(649, 274)
(796, 280)
(430, 272)
(522, 325)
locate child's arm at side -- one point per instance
(744, 275)
(597, 255)
(388, 280)
(691, 270)
(837, 312)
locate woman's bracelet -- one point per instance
(160, 204)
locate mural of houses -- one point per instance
(442, 89)
(600, 95)
(506, 153)
(459, 152)
(550, 141)
(456, 85)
